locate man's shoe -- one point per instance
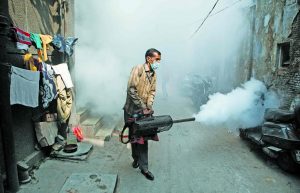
(135, 164)
(148, 175)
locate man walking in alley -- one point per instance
(140, 97)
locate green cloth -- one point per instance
(36, 39)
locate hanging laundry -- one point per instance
(62, 69)
(40, 55)
(36, 39)
(64, 45)
(46, 39)
(64, 100)
(70, 42)
(24, 87)
(32, 63)
(28, 60)
(59, 43)
(21, 46)
(21, 36)
(48, 88)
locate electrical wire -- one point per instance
(226, 8)
(221, 10)
(205, 18)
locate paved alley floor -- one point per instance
(188, 158)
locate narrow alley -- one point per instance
(74, 75)
(188, 158)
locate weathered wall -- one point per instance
(275, 22)
(245, 58)
(287, 80)
(42, 17)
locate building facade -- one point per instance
(50, 17)
(271, 52)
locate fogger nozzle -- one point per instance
(184, 120)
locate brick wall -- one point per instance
(287, 80)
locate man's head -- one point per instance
(152, 55)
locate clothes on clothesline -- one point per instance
(24, 87)
(48, 88)
(64, 45)
(36, 39)
(62, 69)
(59, 43)
(46, 39)
(32, 63)
(41, 42)
(21, 36)
(21, 46)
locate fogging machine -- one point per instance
(141, 125)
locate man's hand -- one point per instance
(147, 111)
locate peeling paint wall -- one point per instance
(276, 22)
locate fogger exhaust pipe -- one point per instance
(184, 120)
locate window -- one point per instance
(283, 52)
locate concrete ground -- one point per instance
(188, 158)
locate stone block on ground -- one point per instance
(90, 182)
(90, 126)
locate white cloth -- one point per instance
(63, 71)
(24, 87)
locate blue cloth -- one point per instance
(64, 45)
(24, 87)
(59, 43)
(70, 42)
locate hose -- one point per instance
(122, 136)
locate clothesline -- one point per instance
(20, 53)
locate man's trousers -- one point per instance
(139, 152)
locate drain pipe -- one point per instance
(12, 181)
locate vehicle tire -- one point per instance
(287, 163)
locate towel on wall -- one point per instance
(24, 87)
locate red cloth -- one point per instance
(78, 133)
(22, 36)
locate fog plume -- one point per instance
(114, 35)
(243, 107)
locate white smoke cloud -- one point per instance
(243, 107)
(114, 35)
